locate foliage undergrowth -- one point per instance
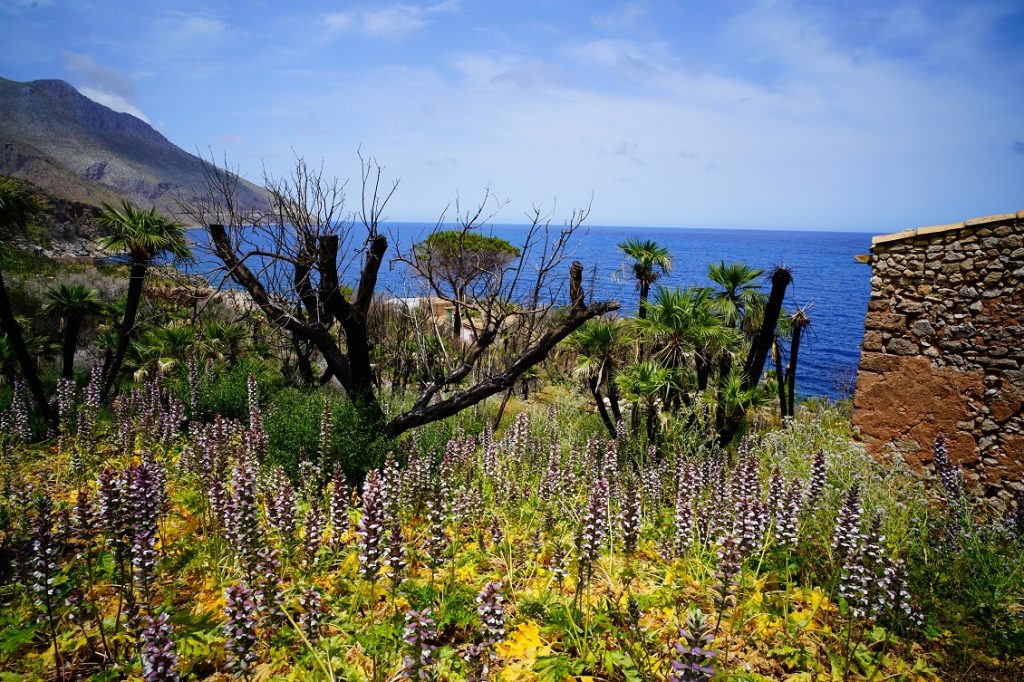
(538, 552)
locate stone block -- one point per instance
(885, 321)
(872, 341)
(911, 307)
(922, 328)
(902, 346)
(878, 363)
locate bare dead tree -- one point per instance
(313, 272)
(510, 307)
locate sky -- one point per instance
(871, 116)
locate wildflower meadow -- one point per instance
(142, 544)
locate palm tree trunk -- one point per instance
(766, 335)
(724, 370)
(780, 381)
(791, 372)
(601, 408)
(703, 371)
(72, 325)
(652, 424)
(28, 368)
(645, 290)
(131, 310)
(613, 398)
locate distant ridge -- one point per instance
(80, 150)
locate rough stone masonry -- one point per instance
(943, 349)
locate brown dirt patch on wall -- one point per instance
(905, 401)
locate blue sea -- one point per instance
(827, 280)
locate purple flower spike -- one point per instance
(593, 532)
(240, 630)
(630, 519)
(420, 635)
(159, 660)
(491, 609)
(371, 526)
(312, 618)
(693, 658)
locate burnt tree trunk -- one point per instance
(71, 327)
(762, 343)
(28, 368)
(595, 390)
(780, 383)
(759, 349)
(800, 320)
(136, 279)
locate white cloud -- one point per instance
(523, 72)
(339, 21)
(195, 26)
(104, 85)
(626, 17)
(625, 58)
(395, 21)
(115, 102)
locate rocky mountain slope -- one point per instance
(82, 151)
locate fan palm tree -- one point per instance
(741, 304)
(142, 236)
(17, 207)
(72, 303)
(684, 324)
(226, 337)
(738, 290)
(161, 348)
(599, 345)
(736, 399)
(648, 383)
(650, 261)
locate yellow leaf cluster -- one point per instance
(520, 651)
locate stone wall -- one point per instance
(943, 349)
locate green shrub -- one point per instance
(292, 422)
(227, 393)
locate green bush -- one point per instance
(227, 393)
(292, 422)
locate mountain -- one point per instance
(80, 150)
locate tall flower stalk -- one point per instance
(592, 535)
(45, 569)
(420, 635)
(371, 527)
(491, 611)
(693, 659)
(240, 630)
(159, 658)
